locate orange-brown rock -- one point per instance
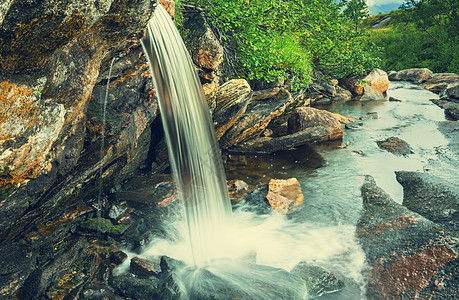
(306, 117)
(395, 146)
(59, 52)
(27, 131)
(232, 99)
(343, 119)
(284, 195)
(169, 6)
(408, 256)
(206, 51)
(256, 118)
(377, 79)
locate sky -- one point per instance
(376, 6)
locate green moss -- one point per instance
(117, 230)
(98, 225)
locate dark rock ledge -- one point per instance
(408, 255)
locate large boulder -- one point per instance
(408, 256)
(256, 118)
(371, 94)
(439, 81)
(306, 117)
(377, 79)
(267, 145)
(414, 75)
(232, 99)
(284, 195)
(431, 197)
(342, 94)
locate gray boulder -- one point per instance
(439, 81)
(414, 75)
(431, 197)
(371, 94)
(308, 117)
(408, 255)
(451, 92)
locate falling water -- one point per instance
(102, 142)
(194, 154)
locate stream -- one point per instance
(322, 230)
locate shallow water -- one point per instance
(322, 230)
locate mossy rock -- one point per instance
(136, 288)
(97, 225)
(118, 230)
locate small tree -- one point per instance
(355, 10)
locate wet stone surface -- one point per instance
(395, 146)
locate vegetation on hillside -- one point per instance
(423, 33)
(270, 39)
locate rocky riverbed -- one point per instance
(63, 231)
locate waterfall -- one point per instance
(194, 155)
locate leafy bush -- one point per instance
(271, 39)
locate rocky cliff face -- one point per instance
(54, 61)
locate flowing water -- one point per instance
(221, 249)
(194, 154)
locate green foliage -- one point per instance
(356, 10)
(424, 33)
(275, 39)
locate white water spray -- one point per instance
(194, 154)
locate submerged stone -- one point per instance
(319, 281)
(395, 146)
(238, 190)
(248, 281)
(267, 145)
